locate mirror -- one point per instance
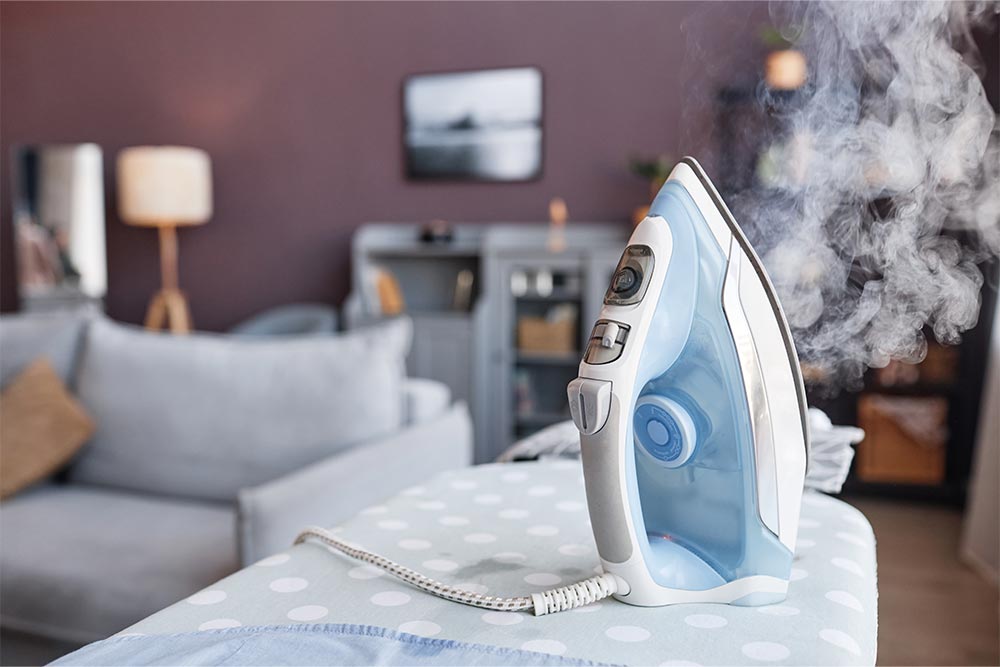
(58, 206)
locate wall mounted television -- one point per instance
(483, 125)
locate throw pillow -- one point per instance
(41, 427)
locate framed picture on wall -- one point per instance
(483, 125)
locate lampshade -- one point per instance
(164, 185)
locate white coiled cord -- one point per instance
(547, 602)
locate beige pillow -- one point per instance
(41, 427)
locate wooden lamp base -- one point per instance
(170, 307)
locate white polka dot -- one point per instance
(627, 633)
(422, 628)
(440, 565)
(543, 531)
(797, 574)
(574, 550)
(480, 538)
(502, 617)
(805, 544)
(472, 587)
(587, 609)
(853, 539)
(271, 561)
(778, 610)
(848, 565)
(841, 640)
(390, 598)
(207, 597)
(765, 651)
(392, 524)
(541, 490)
(220, 624)
(414, 545)
(544, 646)
(464, 485)
(309, 612)
(570, 506)
(453, 521)
(288, 585)
(808, 523)
(514, 476)
(846, 599)
(413, 491)
(705, 621)
(514, 514)
(365, 572)
(543, 579)
(488, 499)
(510, 557)
(680, 663)
(431, 505)
(374, 509)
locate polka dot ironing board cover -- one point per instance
(512, 529)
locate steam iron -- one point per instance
(692, 412)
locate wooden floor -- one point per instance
(933, 609)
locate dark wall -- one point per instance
(299, 106)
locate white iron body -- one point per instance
(694, 448)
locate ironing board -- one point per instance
(522, 527)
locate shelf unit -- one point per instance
(475, 351)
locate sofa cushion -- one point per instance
(25, 338)
(203, 416)
(80, 563)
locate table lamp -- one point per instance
(165, 187)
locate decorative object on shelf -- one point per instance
(464, 282)
(654, 171)
(165, 187)
(58, 213)
(390, 296)
(785, 67)
(482, 125)
(555, 333)
(558, 216)
(906, 439)
(437, 231)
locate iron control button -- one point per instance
(625, 282)
(610, 335)
(589, 404)
(607, 342)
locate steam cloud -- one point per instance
(893, 144)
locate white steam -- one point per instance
(891, 143)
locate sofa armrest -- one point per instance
(336, 488)
(424, 399)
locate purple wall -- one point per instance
(299, 106)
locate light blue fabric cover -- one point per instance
(340, 644)
(24, 338)
(514, 529)
(202, 416)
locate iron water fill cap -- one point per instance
(665, 430)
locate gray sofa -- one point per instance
(210, 452)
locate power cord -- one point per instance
(547, 602)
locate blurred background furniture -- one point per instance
(211, 451)
(165, 187)
(57, 197)
(297, 319)
(500, 311)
